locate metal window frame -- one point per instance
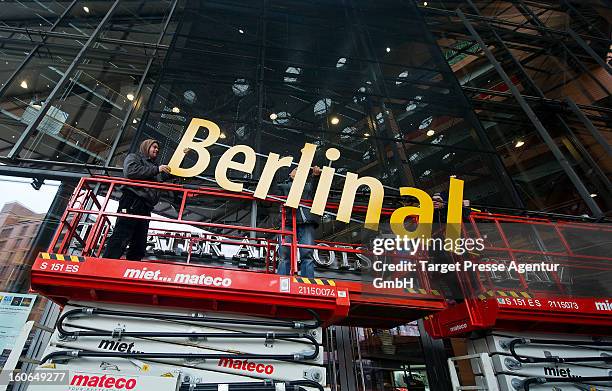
(32, 127)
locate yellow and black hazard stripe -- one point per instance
(62, 257)
(422, 291)
(314, 281)
(492, 293)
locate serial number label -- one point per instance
(60, 266)
(568, 305)
(316, 291)
(538, 303)
(519, 301)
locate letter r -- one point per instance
(199, 146)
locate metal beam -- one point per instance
(471, 117)
(589, 50)
(589, 125)
(584, 20)
(542, 131)
(259, 83)
(46, 33)
(488, 19)
(29, 131)
(346, 359)
(54, 175)
(153, 95)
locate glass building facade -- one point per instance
(403, 89)
(513, 97)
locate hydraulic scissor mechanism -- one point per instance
(560, 359)
(267, 385)
(227, 348)
(564, 375)
(526, 361)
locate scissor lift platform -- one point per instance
(503, 310)
(65, 278)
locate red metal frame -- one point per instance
(258, 292)
(254, 292)
(183, 285)
(520, 308)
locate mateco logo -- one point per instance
(458, 327)
(603, 306)
(104, 382)
(190, 279)
(246, 365)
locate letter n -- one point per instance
(377, 192)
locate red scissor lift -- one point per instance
(72, 269)
(572, 299)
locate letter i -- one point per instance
(327, 175)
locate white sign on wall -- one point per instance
(14, 311)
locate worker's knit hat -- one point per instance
(145, 145)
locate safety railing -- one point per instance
(187, 237)
(568, 258)
(581, 251)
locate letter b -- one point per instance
(199, 146)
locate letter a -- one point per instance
(424, 211)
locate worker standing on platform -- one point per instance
(136, 201)
(447, 281)
(307, 224)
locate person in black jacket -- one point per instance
(307, 224)
(447, 281)
(136, 201)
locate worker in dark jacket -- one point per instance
(446, 281)
(136, 201)
(306, 223)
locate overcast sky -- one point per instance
(19, 189)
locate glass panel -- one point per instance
(40, 15)
(23, 98)
(88, 112)
(137, 21)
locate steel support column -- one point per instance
(542, 131)
(42, 240)
(29, 131)
(584, 20)
(346, 359)
(153, 95)
(261, 69)
(435, 355)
